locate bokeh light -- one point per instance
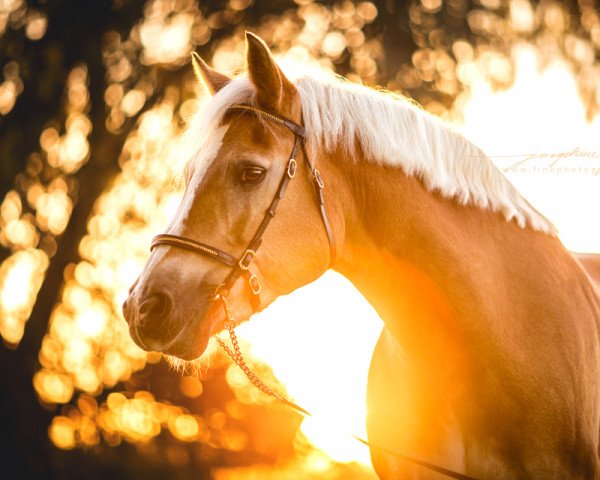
(521, 82)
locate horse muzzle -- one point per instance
(160, 321)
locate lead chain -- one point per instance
(236, 353)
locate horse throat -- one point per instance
(404, 250)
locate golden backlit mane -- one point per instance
(391, 130)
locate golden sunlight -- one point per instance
(21, 275)
(93, 155)
(318, 341)
(20, 279)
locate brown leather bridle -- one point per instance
(241, 267)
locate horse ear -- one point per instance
(212, 80)
(272, 86)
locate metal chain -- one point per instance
(236, 353)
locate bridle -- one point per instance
(241, 267)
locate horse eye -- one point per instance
(252, 174)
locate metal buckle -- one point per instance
(246, 260)
(291, 169)
(219, 295)
(319, 179)
(255, 285)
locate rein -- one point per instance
(241, 267)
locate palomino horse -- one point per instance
(489, 362)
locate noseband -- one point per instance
(241, 267)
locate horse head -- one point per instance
(232, 181)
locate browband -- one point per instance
(274, 117)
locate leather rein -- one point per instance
(241, 267)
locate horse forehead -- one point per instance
(247, 131)
(238, 136)
(205, 157)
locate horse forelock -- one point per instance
(205, 125)
(391, 130)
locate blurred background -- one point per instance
(94, 96)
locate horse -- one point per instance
(489, 360)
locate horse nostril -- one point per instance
(153, 326)
(157, 305)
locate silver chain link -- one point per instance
(236, 353)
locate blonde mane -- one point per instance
(390, 130)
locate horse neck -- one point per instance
(427, 264)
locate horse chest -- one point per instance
(401, 417)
